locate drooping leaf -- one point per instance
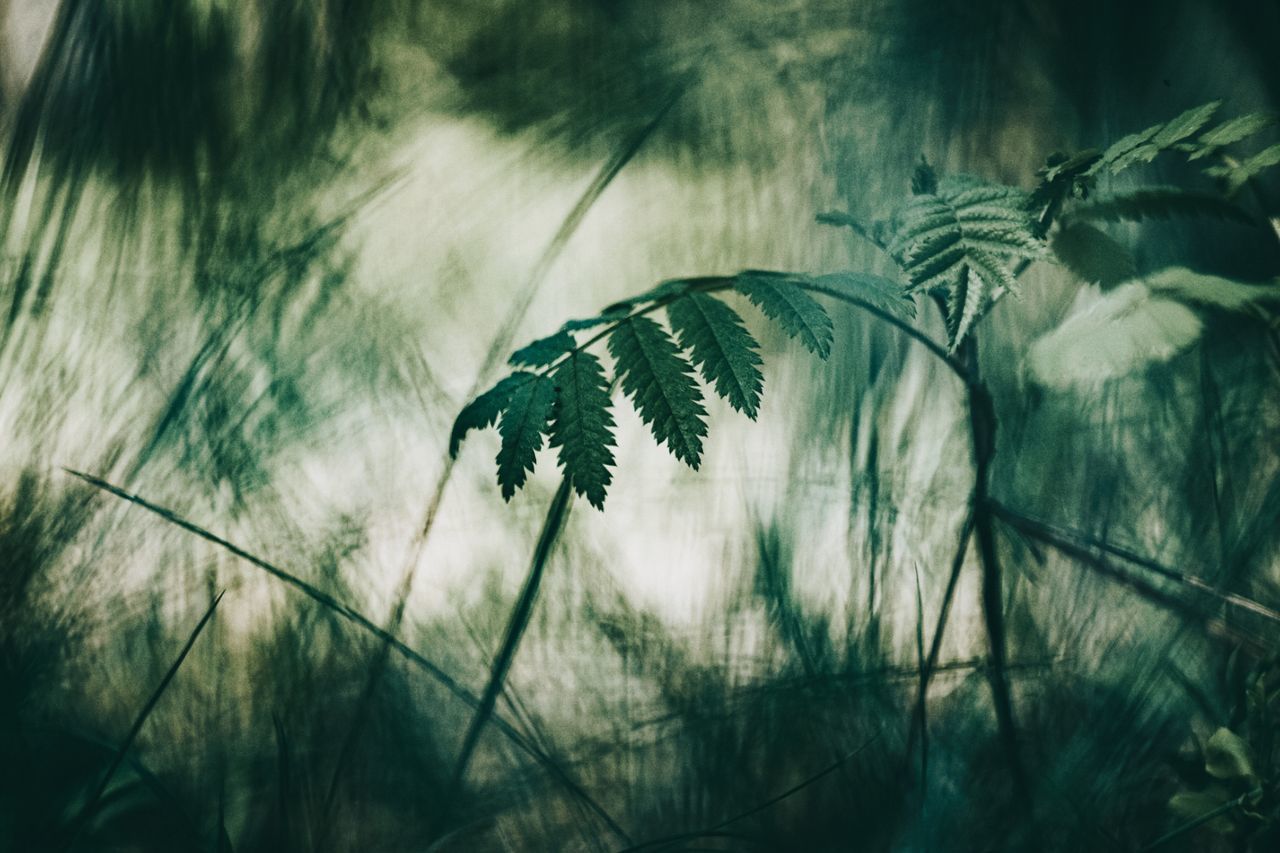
(659, 380)
(1127, 329)
(523, 422)
(1161, 203)
(799, 315)
(483, 411)
(1230, 132)
(543, 351)
(582, 425)
(720, 345)
(1092, 255)
(883, 293)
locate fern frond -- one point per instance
(582, 425)
(720, 345)
(794, 310)
(523, 422)
(1161, 203)
(659, 380)
(484, 410)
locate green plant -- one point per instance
(963, 243)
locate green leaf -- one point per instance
(1237, 176)
(959, 242)
(963, 301)
(1230, 132)
(1226, 756)
(1092, 255)
(721, 347)
(660, 382)
(1126, 330)
(483, 411)
(1161, 203)
(582, 425)
(883, 293)
(1186, 124)
(1144, 146)
(543, 351)
(523, 422)
(794, 310)
(1195, 805)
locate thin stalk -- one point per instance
(516, 624)
(86, 811)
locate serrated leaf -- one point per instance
(483, 411)
(1230, 132)
(1144, 146)
(963, 300)
(543, 351)
(582, 425)
(1092, 255)
(659, 381)
(1127, 329)
(523, 422)
(1161, 203)
(959, 242)
(884, 293)
(1185, 124)
(724, 351)
(799, 315)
